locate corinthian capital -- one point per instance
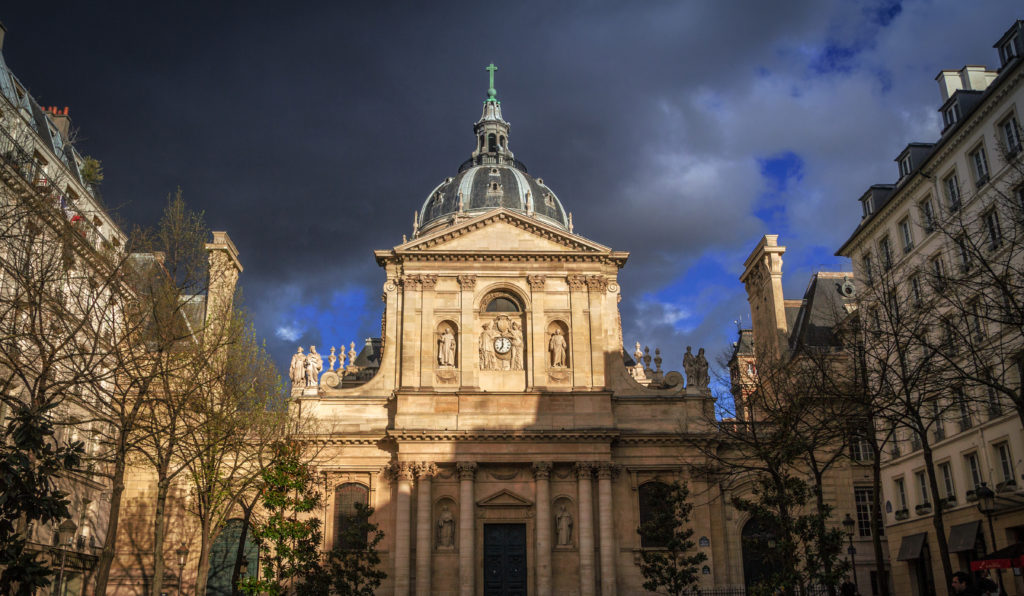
(467, 470)
(584, 470)
(541, 469)
(467, 282)
(426, 470)
(607, 470)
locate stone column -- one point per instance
(424, 527)
(541, 472)
(605, 514)
(404, 472)
(467, 529)
(584, 472)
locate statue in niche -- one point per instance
(446, 528)
(297, 370)
(690, 367)
(517, 346)
(557, 348)
(701, 369)
(563, 527)
(314, 364)
(446, 348)
(487, 358)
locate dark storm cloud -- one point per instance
(311, 132)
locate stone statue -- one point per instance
(563, 527)
(446, 528)
(314, 364)
(689, 367)
(352, 353)
(446, 348)
(557, 348)
(487, 359)
(517, 346)
(297, 370)
(701, 368)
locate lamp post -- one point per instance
(848, 524)
(182, 553)
(987, 505)
(65, 534)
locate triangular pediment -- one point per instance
(502, 230)
(505, 498)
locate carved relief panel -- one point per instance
(502, 337)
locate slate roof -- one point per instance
(823, 307)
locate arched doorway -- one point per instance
(222, 557)
(754, 537)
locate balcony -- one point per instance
(923, 509)
(1006, 486)
(902, 514)
(948, 502)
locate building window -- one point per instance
(993, 233)
(963, 253)
(973, 470)
(906, 235)
(868, 206)
(952, 186)
(860, 450)
(905, 166)
(915, 441)
(995, 406)
(862, 501)
(345, 498)
(1011, 136)
(964, 408)
(901, 494)
(915, 289)
(927, 215)
(946, 472)
(653, 506)
(1005, 463)
(951, 115)
(922, 486)
(977, 321)
(938, 271)
(1007, 51)
(885, 251)
(868, 269)
(940, 426)
(501, 304)
(980, 164)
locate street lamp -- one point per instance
(848, 524)
(65, 534)
(243, 566)
(987, 505)
(182, 553)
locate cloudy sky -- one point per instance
(678, 131)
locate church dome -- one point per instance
(491, 178)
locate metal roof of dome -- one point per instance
(491, 178)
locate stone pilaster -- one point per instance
(424, 527)
(428, 345)
(584, 473)
(542, 472)
(469, 351)
(467, 529)
(537, 366)
(606, 522)
(598, 288)
(410, 334)
(579, 327)
(404, 472)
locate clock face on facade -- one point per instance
(502, 345)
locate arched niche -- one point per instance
(446, 344)
(564, 523)
(446, 519)
(502, 319)
(560, 328)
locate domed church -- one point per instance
(501, 432)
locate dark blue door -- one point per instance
(505, 560)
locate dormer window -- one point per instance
(951, 115)
(868, 206)
(904, 166)
(1008, 51)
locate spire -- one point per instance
(491, 130)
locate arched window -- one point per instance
(345, 498)
(653, 510)
(502, 304)
(492, 143)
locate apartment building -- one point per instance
(951, 214)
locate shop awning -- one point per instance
(910, 548)
(963, 537)
(1004, 558)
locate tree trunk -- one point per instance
(876, 519)
(159, 532)
(106, 558)
(236, 570)
(203, 571)
(819, 499)
(937, 520)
